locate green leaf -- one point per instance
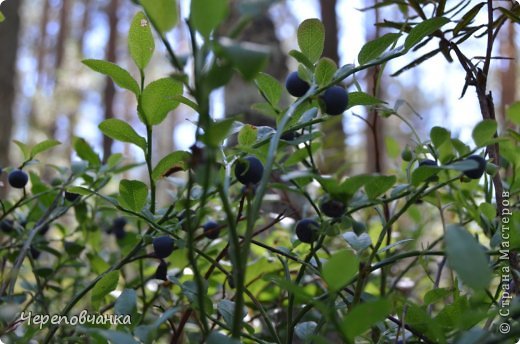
(119, 75)
(325, 70)
(132, 194)
(340, 269)
(24, 148)
(422, 173)
(269, 87)
(114, 337)
(467, 258)
(105, 285)
(364, 316)
(126, 302)
(362, 98)
(353, 184)
(218, 131)
(158, 99)
(247, 135)
(248, 58)
(2, 17)
(140, 40)
(207, 15)
(301, 58)
(378, 185)
(311, 38)
(424, 29)
(219, 338)
(43, 146)
(163, 13)
(435, 295)
(226, 308)
(173, 162)
(467, 18)
(439, 135)
(122, 131)
(373, 49)
(484, 132)
(85, 152)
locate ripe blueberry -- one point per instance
(71, 196)
(211, 230)
(289, 135)
(163, 246)
(307, 230)
(336, 100)
(118, 227)
(7, 226)
(477, 172)
(162, 270)
(18, 179)
(331, 207)
(35, 253)
(296, 86)
(249, 170)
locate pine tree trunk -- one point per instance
(9, 30)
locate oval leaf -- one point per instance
(424, 29)
(120, 76)
(173, 162)
(105, 285)
(121, 131)
(467, 258)
(311, 38)
(140, 40)
(340, 269)
(132, 194)
(163, 13)
(207, 15)
(159, 98)
(373, 49)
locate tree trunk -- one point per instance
(9, 30)
(240, 95)
(332, 157)
(110, 91)
(508, 72)
(374, 130)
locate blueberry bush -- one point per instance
(427, 254)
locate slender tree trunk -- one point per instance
(42, 43)
(239, 95)
(63, 33)
(110, 92)
(333, 153)
(508, 73)
(9, 30)
(84, 24)
(374, 130)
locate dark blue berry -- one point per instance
(477, 172)
(332, 208)
(18, 179)
(295, 85)
(71, 196)
(249, 170)
(163, 246)
(336, 100)
(211, 230)
(307, 230)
